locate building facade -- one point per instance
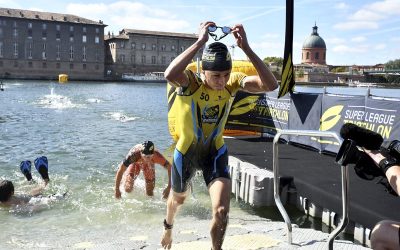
(142, 51)
(42, 45)
(314, 49)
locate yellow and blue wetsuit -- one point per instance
(201, 116)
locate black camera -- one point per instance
(364, 166)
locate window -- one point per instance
(84, 66)
(71, 38)
(44, 55)
(163, 60)
(71, 53)
(30, 64)
(58, 36)
(58, 28)
(29, 25)
(58, 65)
(15, 24)
(143, 46)
(308, 55)
(182, 48)
(29, 33)
(97, 30)
(44, 46)
(84, 29)
(173, 47)
(84, 53)
(316, 55)
(71, 28)
(96, 39)
(84, 38)
(57, 52)
(153, 47)
(133, 45)
(15, 50)
(44, 26)
(122, 44)
(1, 49)
(153, 60)
(143, 59)
(122, 58)
(163, 47)
(15, 33)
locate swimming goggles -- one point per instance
(225, 31)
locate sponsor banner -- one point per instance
(381, 116)
(305, 113)
(335, 111)
(259, 112)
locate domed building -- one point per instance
(314, 49)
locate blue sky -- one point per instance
(364, 32)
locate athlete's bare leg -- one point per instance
(129, 182)
(219, 190)
(173, 204)
(150, 184)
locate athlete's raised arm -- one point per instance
(174, 73)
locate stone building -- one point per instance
(314, 49)
(42, 45)
(142, 51)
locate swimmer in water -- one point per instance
(142, 157)
(7, 197)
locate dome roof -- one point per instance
(314, 40)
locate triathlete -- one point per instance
(142, 157)
(7, 197)
(204, 104)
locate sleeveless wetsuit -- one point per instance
(133, 161)
(202, 114)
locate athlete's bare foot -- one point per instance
(166, 240)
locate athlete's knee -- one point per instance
(221, 214)
(128, 188)
(178, 198)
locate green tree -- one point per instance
(392, 64)
(339, 69)
(273, 59)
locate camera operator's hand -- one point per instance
(392, 173)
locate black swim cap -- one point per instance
(148, 147)
(216, 57)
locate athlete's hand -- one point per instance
(240, 35)
(203, 31)
(117, 193)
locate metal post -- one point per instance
(237, 177)
(276, 181)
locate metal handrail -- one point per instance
(345, 182)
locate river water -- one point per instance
(85, 129)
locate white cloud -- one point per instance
(356, 25)
(341, 6)
(395, 39)
(380, 46)
(335, 40)
(387, 7)
(358, 39)
(350, 49)
(134, 15)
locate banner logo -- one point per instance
(330, 117)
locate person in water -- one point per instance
(204, 104)
(142, 157)
(7, 197)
